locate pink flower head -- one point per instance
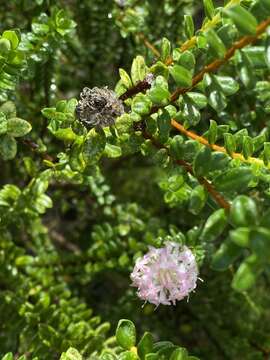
(165, 275)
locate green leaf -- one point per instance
(202, 161)
(240, 236)
(93, 146)
(8, 147)
(236, 179)
(8, 356)
(138, 69)
(108, 356)
(219, 161)
(3, 123)
(152, 357)
(159, 93)
(228, 85)
(5, 46)
(201, 41)
(176, 146)
(126, 81)
(190, 114)
(247, 273)
(141, 104)
(239, 136)
(259, 141)
(76, 160)
(217, 100)
(197, 200)
(257, 56)
(123, 124)
(24, 260)
(49, 113)
(120, 88)
(215, 43)
(260, 243)
(209, 8)
(71, 106)
(159, 68)
(18, 127)
(145, 345)
(112, 151)
(166, 351)
(229, 143)
(126, 334)
(247, 145)
(40, 29)
(164, 126)
(66, 134)
(199, 100)
(9, 109)
(165, 49)
(128, 355)
(247, 75)
(243, 211)
(162, 345)
(187, 60)
(242, 18)
(181, 75)
(71, 354)
(179, 354)
(188, 26)
(225, 256)
(214, 225)
(12, 36)
(189, 150)
(266, 152)
(222, 129)
(266, 4)
(212, 132)
(64, 25)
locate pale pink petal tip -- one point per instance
(165, 275)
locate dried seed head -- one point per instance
(98, 107)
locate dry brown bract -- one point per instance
(98, 107)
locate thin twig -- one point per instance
(206, 26)
(149, 45)
(64, 243)
(210, 68)
(215, 65)
(220, 200)
(35, 148)
(140, 87)
(203, 141)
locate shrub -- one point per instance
(134, 133)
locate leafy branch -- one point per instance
(220, 200)
(204, 141)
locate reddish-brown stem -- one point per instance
(35, 147)
(220, 200)
(210, 68)
(203, 141)
(215, 65)
(140, 87)
(149, 45)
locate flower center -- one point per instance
(167, 277)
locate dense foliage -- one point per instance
(180, 153)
